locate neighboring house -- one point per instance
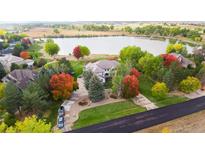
(8, 50)
(7, 60)
(20, 77)
(199, 51)
(185, 62)
(102, 68)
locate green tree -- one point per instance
(96, 89)
(122, 70)
(2, 71)
(51, 48)
(150, 65)
(56, 31)
(128, 29)
(131, 54)
(15, 66)
(11, 101)
(168, 79)
(87, 75)
(84, 51)
(33, 99)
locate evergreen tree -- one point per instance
(12, 98)
(2, 71)
(87, 75)
(96, 89)
(168, 79)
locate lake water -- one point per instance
(112, 45)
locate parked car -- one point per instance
(61, 111)
(60, 122)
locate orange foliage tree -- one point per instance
(61, 86)
(25, 55)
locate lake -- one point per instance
(112, 45)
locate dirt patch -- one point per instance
(194, 123)
(43, 32)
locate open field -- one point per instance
(43, 32)
(106, 112)
(193, 123)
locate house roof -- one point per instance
(199, 51)
(21, 77)
(185, 62)
(8, 59)
(101, 65)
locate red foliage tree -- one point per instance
(25, 55)
(168, 59)
(76, 52)
(135, 72)
(130, 86)
(61, 85)
(26, 41)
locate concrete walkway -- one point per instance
(198, 93)
(142, 101)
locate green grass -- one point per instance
(145, 88)
(106, 112)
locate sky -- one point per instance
(101, 10)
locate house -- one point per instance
(8, 50)
(185, 62)
(102, 68)
(8, 59)
(199, 51)
(20, 77)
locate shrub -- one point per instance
(159, 90)
(15, 66)
(190, 84)
(28, 125)
(61, 86)
(17, 49)
(2, 89)
(130, 86)
(2, 71)
(51, 48)
(96, 89)
(40, 62)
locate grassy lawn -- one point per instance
(106, 112)
(145, 88)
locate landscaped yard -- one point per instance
(106, 112)
(145, 88)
